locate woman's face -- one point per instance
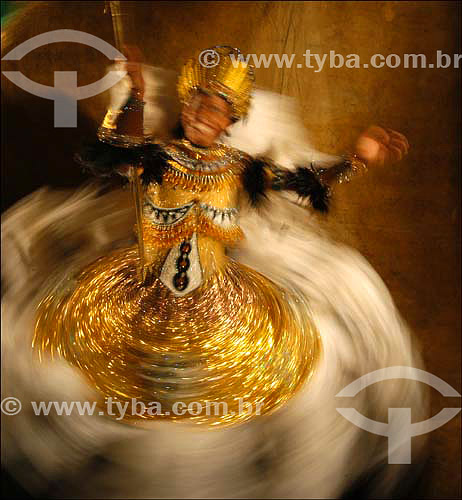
(205, 118)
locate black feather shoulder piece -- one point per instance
(307, 184)
(262, 174)
(254, 180)
(102, 159)
(153, 160)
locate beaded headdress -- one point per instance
(220, 70)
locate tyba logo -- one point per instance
(65, 92)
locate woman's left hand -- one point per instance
(378, 146)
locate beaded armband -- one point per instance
(306, 182)
(280, 178)
(309, 182)
(353, 166)
(343, 172)
(121, 140)
(111, 130)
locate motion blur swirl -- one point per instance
(237, 337)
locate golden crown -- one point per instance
(222, 71)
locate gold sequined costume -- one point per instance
(203, 329)
(229, 335)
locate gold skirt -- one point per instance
(237, 347)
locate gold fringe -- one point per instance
(194, 180)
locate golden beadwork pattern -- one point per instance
(197, 180)
(200, 158)
(239, 337)
(168, 236)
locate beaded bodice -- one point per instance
(194, 208)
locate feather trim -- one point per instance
(254, 181)
(307, 184)
(102, 160)
(261, 175)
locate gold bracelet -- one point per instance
(121, 140)
(354, 166)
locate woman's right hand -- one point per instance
(133, 66)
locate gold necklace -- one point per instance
(216, 160)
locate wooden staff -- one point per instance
(119, 34)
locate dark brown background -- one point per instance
(405, 219)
